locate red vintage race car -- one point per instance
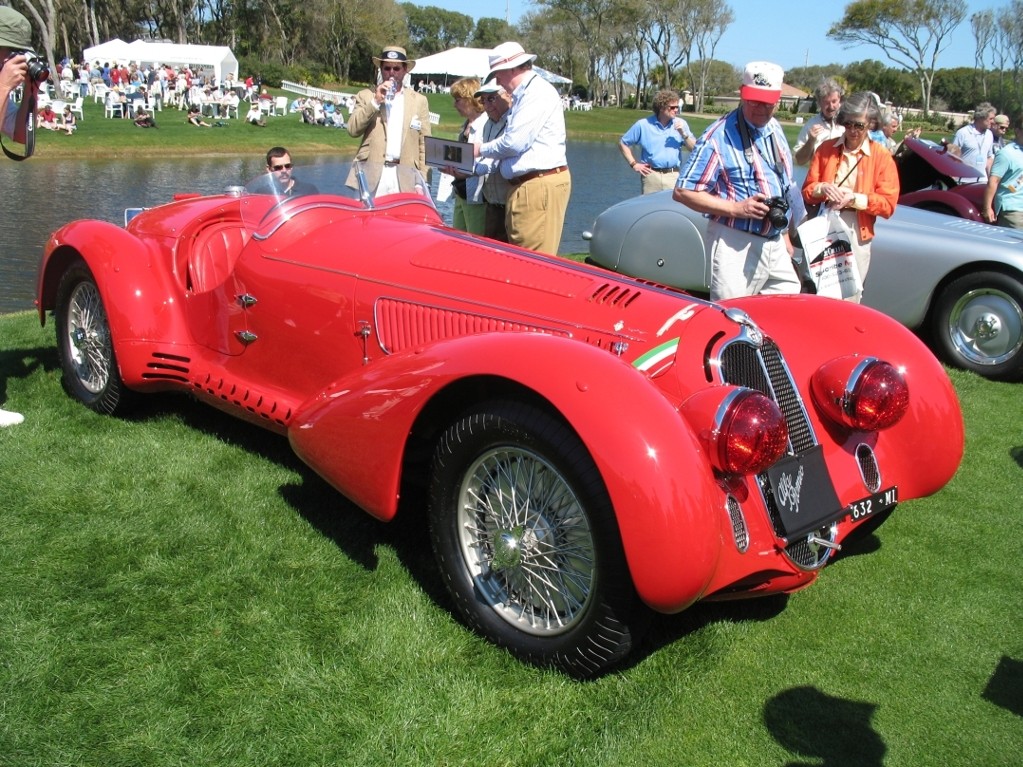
(587, 446)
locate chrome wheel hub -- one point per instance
(986, 326)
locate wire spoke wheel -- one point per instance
(85, 344)
(88, 338)
(526, 541)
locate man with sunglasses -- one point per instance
(740, 176)
(278, 165)
(496, 102)
(393, 121)
(660, 138)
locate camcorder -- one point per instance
(777, 211)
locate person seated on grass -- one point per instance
(255, 116)
(143, 119)
(69, 123)
(195, 117)
(48, 118)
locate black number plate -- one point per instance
(868, 507)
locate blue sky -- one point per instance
(791, 33)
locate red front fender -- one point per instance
(659, 480)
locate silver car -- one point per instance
(959, 283)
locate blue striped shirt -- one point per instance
(719, 166)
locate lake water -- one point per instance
(42, 195)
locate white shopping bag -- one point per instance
(827, 246)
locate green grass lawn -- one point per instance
(177, 589)
(100, 136)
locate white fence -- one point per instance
(321, 93)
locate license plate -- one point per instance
(874, 504)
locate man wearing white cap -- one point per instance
(496, 187)
(15, 37)
(740, 176)
(531, 151)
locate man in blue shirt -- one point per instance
(1003, 197)
(740, 176)
(660, 138)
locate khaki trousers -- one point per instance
(535, 215)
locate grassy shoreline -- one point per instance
(101, 137)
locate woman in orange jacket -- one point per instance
(855, 176)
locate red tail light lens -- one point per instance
(743, 431)
(866, 394)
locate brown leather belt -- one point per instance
(536, 174)
(665, 170)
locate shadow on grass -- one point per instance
(1005, 687)
(352, 530)
(1017, 455)
(21, 363)
(831, 732)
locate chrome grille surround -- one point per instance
(752, 360)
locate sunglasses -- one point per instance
(673, 108)
(392, 69)
(855, 126)
(283, 166)
(490, 99)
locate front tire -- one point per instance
(84, 345)
(526, 540)
(978, 325)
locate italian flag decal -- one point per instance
(656, 355)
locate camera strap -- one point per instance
(749, 148)
(25, 123)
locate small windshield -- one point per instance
(272, 198)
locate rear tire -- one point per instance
(978, 325)
(84, 345)
(527, 542)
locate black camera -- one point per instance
(777, 211)
(38, 71)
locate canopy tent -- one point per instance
(215, 58)
(110, 51)
(469, 62)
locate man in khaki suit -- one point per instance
(392, 120)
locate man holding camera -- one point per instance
(15, 39)
(740, 176)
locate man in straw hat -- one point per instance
(392, 120)
(740, 176)
(15, 37)
(531, 151)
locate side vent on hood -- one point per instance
(615, 295)
(402, 325)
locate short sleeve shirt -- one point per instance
(721, 165)
(660, 146)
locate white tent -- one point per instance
(217, 59)
(111, 51)
(468, 62)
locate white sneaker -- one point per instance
(7, 418)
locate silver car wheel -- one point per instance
(88, 338)
(985, 326)
(526, 541)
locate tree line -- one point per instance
(628, 48)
